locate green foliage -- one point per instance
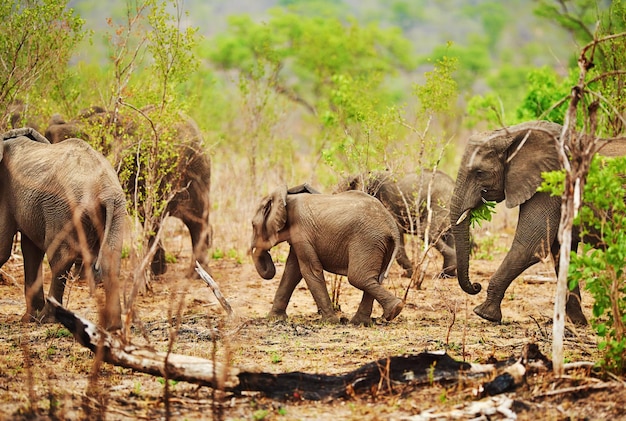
(546, 96)
(36, 43)
(472, 60)
(440, 91)
(602, 269)
(494, 17)
(509, 85)
(576, 16)
(331, 68)
(603, 219)
(482, 213)
(588, 20)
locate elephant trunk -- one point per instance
(263, 263)
(460, 220)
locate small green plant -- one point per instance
(443, 396)
(170, 258)
(125, 252)
(51, 351)
(217, 254)
(136, 389)
(275, 357)
(171, 382)
(431, 373)
(58, 333)
(260, 414)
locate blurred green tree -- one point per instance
(37, 40)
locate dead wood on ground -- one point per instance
(395, 374)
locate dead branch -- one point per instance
(585, 387)
(417, 370)
(118, 352)
(216, 289)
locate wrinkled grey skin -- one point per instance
(44, 191)
(406, 199)
(506, 164)
(349, 234)
(191, 178)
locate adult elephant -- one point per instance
(66, 202)
(506, 164)
(350, 234)
(406, 198)
(189, 177)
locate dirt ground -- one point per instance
(44, 372)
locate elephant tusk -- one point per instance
(463, 216)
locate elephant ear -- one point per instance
(532, 150)
(274, 213)
(28, 132)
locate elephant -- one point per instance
(506, 165)
(190, 179)
(349, 233)
(405, 198)
(66, 201)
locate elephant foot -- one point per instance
(43, 316)
(489, 311)
(29, 318)
(275, 315)
(575, 315)
(449, 272)
(158, 266)
(331, 319)
(392, 311)
(361, 320)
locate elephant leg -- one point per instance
(364, 312)
(313, 274)
(449, 257)
(573, 309)
(158, 264)
(111, 317)
(402, 258)
(200, 241)
(33, 280)
(537, 228)
(288, 282)
(367, 281)
(61, 263)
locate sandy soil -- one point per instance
(44, 373)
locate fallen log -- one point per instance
(384, 375)
(116, 351)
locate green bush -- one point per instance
(603, 219)
(602, 269)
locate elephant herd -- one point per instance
(66, 201)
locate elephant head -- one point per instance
(499, 165)
(268, 220)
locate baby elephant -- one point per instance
(350, 234)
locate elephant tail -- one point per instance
(109, 215)
(390, 255)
